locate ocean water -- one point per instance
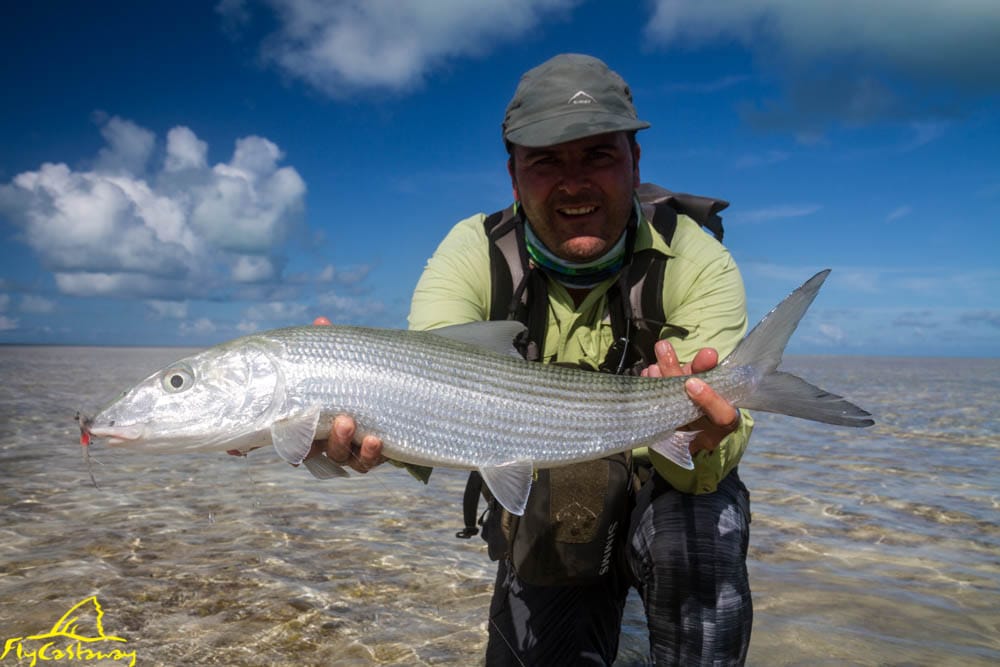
(869, 547)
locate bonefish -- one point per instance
(457, 397)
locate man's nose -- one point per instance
(575, 178)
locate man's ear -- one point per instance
(636, 153)
(513, 178)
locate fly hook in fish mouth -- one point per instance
(85, 423)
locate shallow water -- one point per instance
(873, 547)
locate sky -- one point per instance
(183, 173)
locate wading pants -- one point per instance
(688, 557)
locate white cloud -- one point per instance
(185, 150)
(36, 304)
(4, 301)
(763, 159)
(777, 212)
(899, 212)
(344, 307)
(832, 333)
(7, 323)
(170, 310)
(129, 147)
(341, 47)
(844, 61)
(200, 327)
(958, 41)
(252, 269)
(350, 275)
(183, 230)
(278, 311)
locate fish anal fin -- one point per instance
(676, 447)
(510, 484)
(293, 437)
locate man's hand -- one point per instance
(721, 418)
(342, 450)
(340, 446)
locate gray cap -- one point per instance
(569, 97)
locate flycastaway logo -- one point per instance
(66, 642)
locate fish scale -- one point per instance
(452, 397)
(468, 399)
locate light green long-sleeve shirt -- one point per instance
(703, 293)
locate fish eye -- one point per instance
(177, 379)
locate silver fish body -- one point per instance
(456, 397)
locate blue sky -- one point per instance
(181, 173)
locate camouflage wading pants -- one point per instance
(688, 555)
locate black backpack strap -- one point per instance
(518, 291)
(507, 265)
(635, 306)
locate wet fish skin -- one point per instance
(456, 397)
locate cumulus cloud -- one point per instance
(128, 149)
(176, 229)
(7, 323)
(841, 59)
(350, 307)
(349, 275)
(342, 47)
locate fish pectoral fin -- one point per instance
(676, 447)
(323, 468)
(510, 484)
(293, 437)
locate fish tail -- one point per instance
(785, 393)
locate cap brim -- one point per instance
(558, 130)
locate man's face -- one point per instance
(577, 195)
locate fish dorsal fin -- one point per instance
(495, 336)
(293, 437)
(510, 484)
(676, 447)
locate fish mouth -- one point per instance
(116, 435)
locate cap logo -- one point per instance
(582, 97)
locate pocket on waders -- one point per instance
(573, 527)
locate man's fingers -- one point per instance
(705, 360)
(667, 364)
(369, 454)
(718, 410)
(338, 445)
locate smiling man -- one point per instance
(566, 259)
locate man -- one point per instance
(574, 165)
